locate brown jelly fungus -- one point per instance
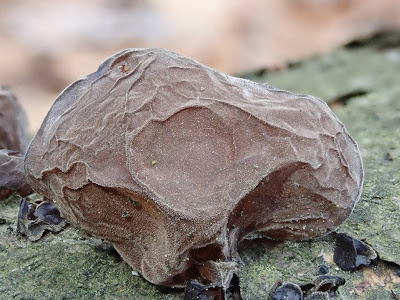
(351, 253)
(208, 158)
(13, 143)
(13, 123)
(12, 174)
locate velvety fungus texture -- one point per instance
(175, 163)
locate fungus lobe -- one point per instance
(12, 174)
(13, 123)
(13, 144)
(175, 163)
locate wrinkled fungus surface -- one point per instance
(175, 163)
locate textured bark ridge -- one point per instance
(175, 163)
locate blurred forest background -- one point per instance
(47, 44)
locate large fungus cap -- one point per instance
(175, 163)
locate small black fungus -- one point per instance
(37, 217)
(351, 253)
(197, 291)
(322, 287)
(287, 291)
(328, 284)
